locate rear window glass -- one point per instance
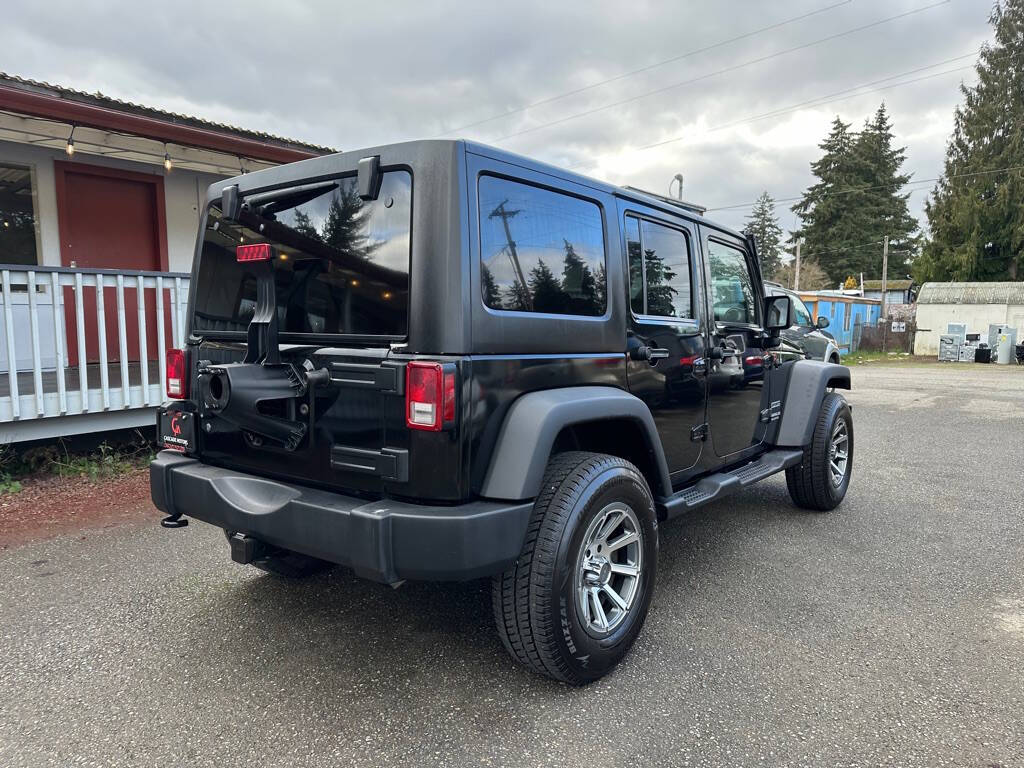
(341, 263)
(541, 251)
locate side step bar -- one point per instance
(722, 484)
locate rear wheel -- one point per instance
(821, 480)
(577, 597)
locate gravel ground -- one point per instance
(890, 632)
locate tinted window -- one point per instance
(659, 270)
(732, 288)
(540, 251)
(17, 215)
(341, 266)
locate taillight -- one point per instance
(429, 396)
(448, 411)
(177, 378)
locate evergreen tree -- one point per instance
(660, 292)
(578, 282)
(975, 213)
(345, 227)
(832, 220)
(764, 225)
(491, 294)
(883, 205)
(516, 298)
(304, 225)
(601, 287)
(545, 289)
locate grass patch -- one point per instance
(64, 460)
(862, 357)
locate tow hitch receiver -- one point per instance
(245, 549)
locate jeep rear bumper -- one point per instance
(382, 540)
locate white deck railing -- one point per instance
(50, 315)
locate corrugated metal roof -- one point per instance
(971, 293)
(101, 100)
(890, 285)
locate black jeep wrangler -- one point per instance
(436, 360)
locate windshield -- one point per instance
(341, 264)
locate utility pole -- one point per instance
(796, 268)
(513, 255)
(885, 274)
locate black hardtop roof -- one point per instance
(324, 165)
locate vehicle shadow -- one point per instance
(339, 626)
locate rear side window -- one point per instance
(341, 266)
(659, 270)
(732, 287)
(540, 251)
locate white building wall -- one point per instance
(932, 320)
(184, 192)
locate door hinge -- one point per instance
(699, 433)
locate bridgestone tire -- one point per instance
(535, 602)
(810, 482)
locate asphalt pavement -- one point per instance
(889, 632)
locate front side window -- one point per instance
(732, 287)
(17, 215)
(540, 251)
(341, 264)
(659, 270)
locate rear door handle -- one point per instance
(656, 353)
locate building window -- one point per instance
(540, 251)
(17, 215)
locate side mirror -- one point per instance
(778, 314)
(821, 323)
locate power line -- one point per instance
(655, 65)
(820, 101)
(844, 248)
(715, 73)
(850, 190)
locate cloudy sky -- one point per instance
(733, 95)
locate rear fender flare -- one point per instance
(806, 385)
(534, 421)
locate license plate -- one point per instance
(177, 429)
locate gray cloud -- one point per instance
(354, 74)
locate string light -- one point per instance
(70, 146)
(167, 160)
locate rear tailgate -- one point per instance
(344, 445)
